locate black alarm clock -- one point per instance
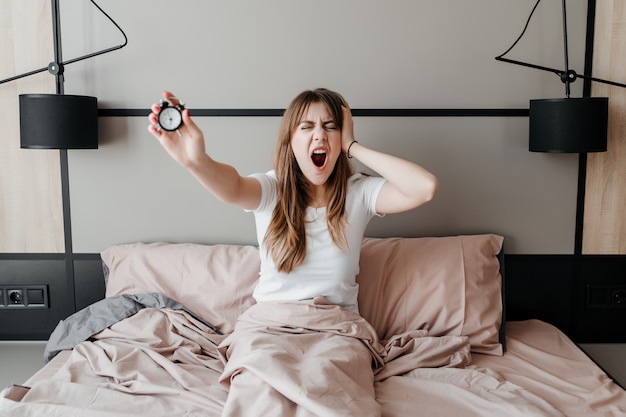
(170, 117)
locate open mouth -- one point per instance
(319, 158)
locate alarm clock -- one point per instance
(170, 117)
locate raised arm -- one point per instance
(186, 146)
(407, 185)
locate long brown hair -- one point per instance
(285, 238)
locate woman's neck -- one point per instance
(317, 197)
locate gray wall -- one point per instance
(259, 54)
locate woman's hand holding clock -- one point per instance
(171, 124)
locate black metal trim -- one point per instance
(87, 257)
(65, 179)
(32, 256)
(355, 112)
(582, 160)
(56, 35)
(589, 40)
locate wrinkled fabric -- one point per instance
(308, 359)
(301, 357)
(158, 362)
(314, 359)
(102, 314)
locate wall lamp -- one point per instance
(569, 125)
(59, 121)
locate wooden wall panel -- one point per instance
(31, 215)
(604, 230)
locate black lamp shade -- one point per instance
(58, 121)
(572, 125)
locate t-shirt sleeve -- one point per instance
(269, 190)
(370, 188)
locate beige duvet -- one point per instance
(284, 359)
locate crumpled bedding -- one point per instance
(319, 357)
(288, 359)
(102, 314)
(157, 362)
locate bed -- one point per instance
(431, 325)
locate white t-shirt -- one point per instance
(326, 270)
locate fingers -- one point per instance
(187, 120)
(153, 126)
(173, 100)
(347, 114)
(187, 129)
(171, 97)
(154, 131)
(347, 130)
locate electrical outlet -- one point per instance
(15, 297)
(606, 296)
(618, 297)
(24, 296)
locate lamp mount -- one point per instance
(567, 75)
(57, 68)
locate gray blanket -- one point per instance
(81, 325)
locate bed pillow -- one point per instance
(214, 281)
(447, 285)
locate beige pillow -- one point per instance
(448, 285)
(215, 282)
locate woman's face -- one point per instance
(316, 143)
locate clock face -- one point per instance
(170, 118)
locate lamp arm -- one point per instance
(104, 51)
(599, 80)
(26, 74)
(525, 64)
(569, 76)
(58, 66)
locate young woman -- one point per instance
(311, 212)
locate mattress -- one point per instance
(543, 360)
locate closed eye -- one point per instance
(329, 125)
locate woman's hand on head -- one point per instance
(185, 145)
(347, 129)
